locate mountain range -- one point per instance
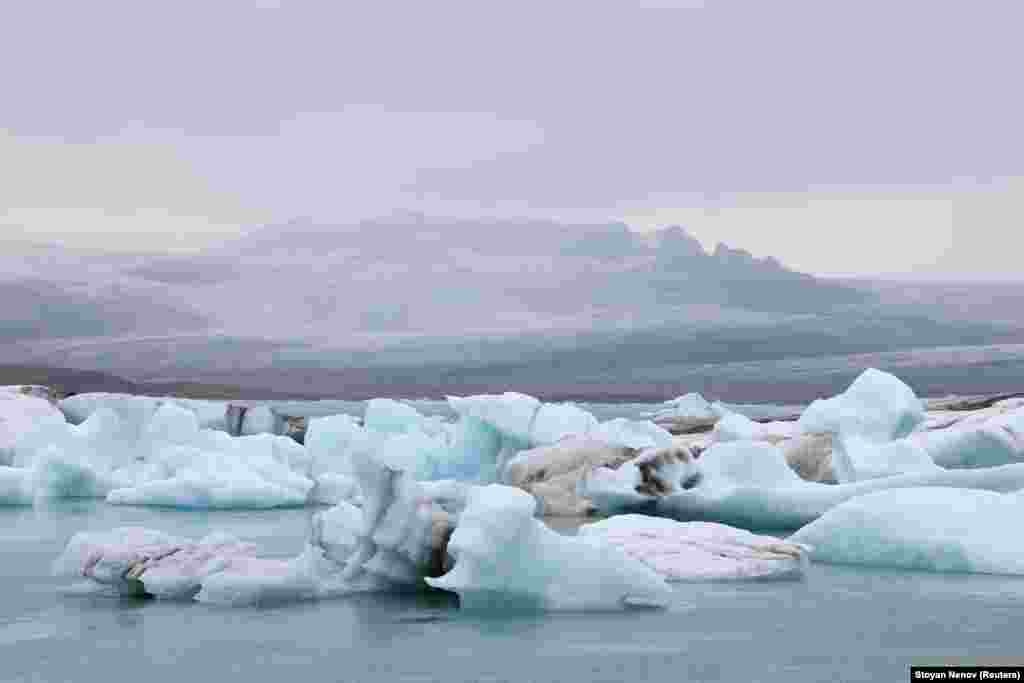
(473, 301)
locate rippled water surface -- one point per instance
(841, 623)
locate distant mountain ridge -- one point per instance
(450, 300)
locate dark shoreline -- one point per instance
(993, 379)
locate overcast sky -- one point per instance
(858, 137)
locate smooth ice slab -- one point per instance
(933, 529)
(700, 551)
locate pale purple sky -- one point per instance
(858, 137)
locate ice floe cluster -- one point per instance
(870, 476)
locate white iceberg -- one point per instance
(636, 434)
(877, 406)
(990, 442)
(19, 415)
(165, 459)
(525, 422)
(139, 561)
(512, 414)
(856, 459)
(700, 551)
(690, 406)
(735, 427)
(504, 558)
(933, 529)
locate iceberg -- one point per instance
(735, 427)
(748, 484)
(877, 406)
(512, 414)
(20, 414)
(139, 561)
(933, 529)
(636, 434)
(480, 542)
(856, 459)
(504, 558)
(163, 459)
(993, 441)
(700, 551)
(524, 422)
(691, 406)
(990, 442)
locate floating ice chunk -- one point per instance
(171, 424)
(133, 411)
(254, 472)
(735, 427)
(473, 452)
(510, 413)
(691, 406)
(139, 561)
(555, 421)
(637, 434)
(877, 406)
(210, 414)
(331, 440)
(994, 441)
(700, 551)
(934, 529)
(749, 484)
(855, 459)
(507, 559)
(392, 417)
(19, 415)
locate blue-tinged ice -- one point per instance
(933, 529)
(854, 458)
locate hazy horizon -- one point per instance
(867, 140)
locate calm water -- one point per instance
(840, 624)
